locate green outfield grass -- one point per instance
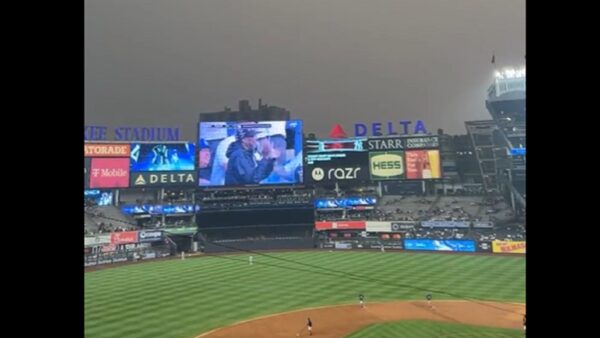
(181, 299)
(430, 329)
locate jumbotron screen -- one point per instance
(101, 197)
(423, 164)
(162, 156)
(336, 160)
(250, 153)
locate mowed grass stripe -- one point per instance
(139, 300)
(184, 285)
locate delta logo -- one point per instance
(146, 179)
(140, 180)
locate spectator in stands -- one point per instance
(242, 167)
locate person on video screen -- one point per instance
(204, 163)
(266, 143)
(217, 176)
(285, 169)
(242, 167)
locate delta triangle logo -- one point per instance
(140, 180)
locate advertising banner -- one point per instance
(328, 173)
(340, 225)
(150, 236)
(337, 167)
(386, 245)
(109, 173)
(484, 246)
(122, 257)
(124, 237)
(335, 160)
(445, 224)
(344, 202)
(422, 142)
(373, 226)
(163, 179)
(149, 255)
(96, 240)
(343, 245)
(483, 225)
(106, 150)
(439, 245)
(109, 248)
(104, 259)
(159, 209)
(423, 164)
(90, 260)
(403, 225)
(385, 144)
(386, 165)
(89, 241)
(508, 246)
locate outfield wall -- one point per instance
(265, 244)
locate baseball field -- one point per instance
(225, 296)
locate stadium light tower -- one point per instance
(511, 73)
(508, 80)
(506, 104)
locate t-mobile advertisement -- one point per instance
(109, 173)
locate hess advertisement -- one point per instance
(388, 165)
(423, 164)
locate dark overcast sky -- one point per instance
(160, 62)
